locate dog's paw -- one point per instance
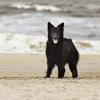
(47, 78)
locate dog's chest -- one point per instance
(56, 51)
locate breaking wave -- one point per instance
(20, 43)
(33, 7)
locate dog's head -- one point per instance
(55, 34)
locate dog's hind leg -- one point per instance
(73, 69)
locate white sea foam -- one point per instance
(20, 43)
(36, 7)
(20, 6)
(46, 8)
(88, 46)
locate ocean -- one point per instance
(23, 24)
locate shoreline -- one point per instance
(33, 65)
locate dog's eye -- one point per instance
(58, 31)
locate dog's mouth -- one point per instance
(55, 40)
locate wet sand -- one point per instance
(35, 65)
(22, 78)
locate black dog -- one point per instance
(60, 51)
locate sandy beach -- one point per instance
(22, 78)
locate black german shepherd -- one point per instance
(60, 51)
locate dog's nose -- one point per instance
(55, 38)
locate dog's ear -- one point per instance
(50, 26)
(61, 26)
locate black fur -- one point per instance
(60, 53)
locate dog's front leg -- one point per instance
(50, 66)
(61, 71)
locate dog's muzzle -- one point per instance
(55, 40)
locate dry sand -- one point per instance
(22, 78)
